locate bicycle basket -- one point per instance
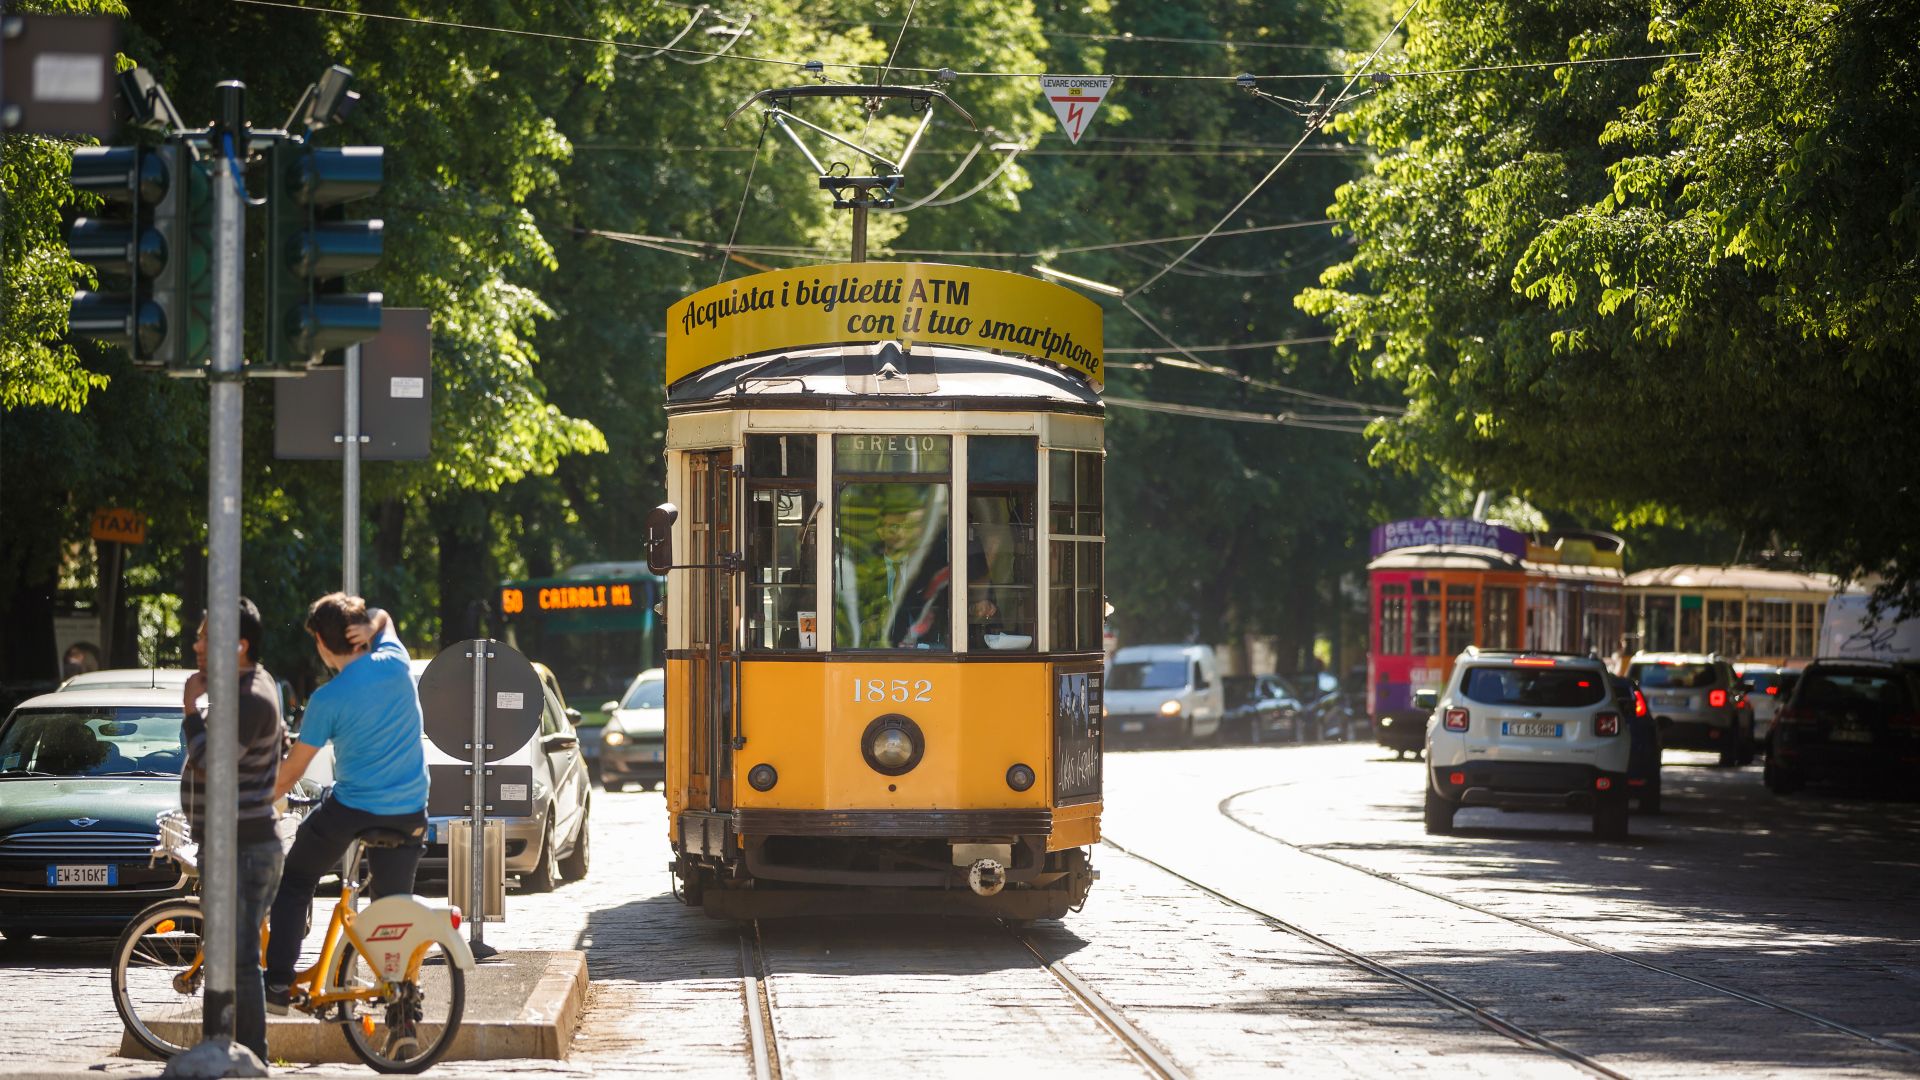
(176, 840)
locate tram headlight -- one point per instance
(1020, 778)
(892, 744)
(1169, 708)
(892, 748)
(763, 777)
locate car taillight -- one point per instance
(1717, 699)
(1456, 719)
(1905, 723)
(1772, 690)
(1639, 702)
(1606, 723)
(1790, 716)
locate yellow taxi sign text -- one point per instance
(868, 302)
(120, 526)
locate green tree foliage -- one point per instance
(1716, 253)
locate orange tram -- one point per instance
(883, 620)
(1439, 585)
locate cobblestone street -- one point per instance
(1261, 910)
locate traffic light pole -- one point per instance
(219, 894)
(350, 479)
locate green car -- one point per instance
(83, 774)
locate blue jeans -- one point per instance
(260, 863)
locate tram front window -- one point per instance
(893, 574)
(780, 542)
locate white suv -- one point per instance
(1535, 731)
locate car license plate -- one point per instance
(1672, 701)
(83, 875)
(1851, 735)
(1133, 725)
(1533, 729)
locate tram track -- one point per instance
(1144, 1050)
(1225, 807)
(759, 1005)
(1479, 1014)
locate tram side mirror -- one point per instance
(660, 521)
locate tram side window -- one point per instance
(1500, 629)
(1459, 618)
(1426, 617)
(782, 512)
(892, 576)
(1003, 483)
(1076, 556)
(1724, 626)
(1393, 620)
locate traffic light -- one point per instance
(154, 256)
(312, 247)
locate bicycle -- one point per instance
(381, 1006)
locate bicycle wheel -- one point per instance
(410, 1029)
(158, 977)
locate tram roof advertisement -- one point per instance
(1453, 532)
(877, 301)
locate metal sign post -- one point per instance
(350, 482)
(479, 653)
(481, 701)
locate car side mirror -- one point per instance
(609, 706)
(1426, 700)
(660, 521)
(573, 716)
(560, 740)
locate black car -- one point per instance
(1262, 708)
(83, 774)
(1643, 755)
(1848, 720)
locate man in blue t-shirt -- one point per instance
(370, 712)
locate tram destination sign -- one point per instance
(579, 604)
(861, 303)
(1453, 532)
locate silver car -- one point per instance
(551, 845)
(1698, 703)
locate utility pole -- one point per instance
(219, 894)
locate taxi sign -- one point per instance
(863, 303)
(120, 526)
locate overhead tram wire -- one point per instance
(1278, 165)
(1197, 364)
(746, 192)
(1205, 412)
(580, 39)
(1244, 347)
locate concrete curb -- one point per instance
(519, 1005)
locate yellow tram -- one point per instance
(885, 553)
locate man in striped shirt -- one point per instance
(262, 738)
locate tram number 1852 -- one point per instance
(892, 690)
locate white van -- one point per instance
(1171, 691)
(1845, 634)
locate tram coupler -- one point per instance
(986, 877)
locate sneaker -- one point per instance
(279, 999)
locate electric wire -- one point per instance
(1278, 165)
(746, 191)
(580, 39)
(1244, 347)
(1197, 364)
(1204, 412)
(739, 35)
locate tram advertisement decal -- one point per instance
(1077, 705)
(864, 302)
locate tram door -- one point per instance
(711, 622)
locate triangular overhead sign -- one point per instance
(1074, 99)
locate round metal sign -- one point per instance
(512, 702)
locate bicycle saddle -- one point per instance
(390, 838)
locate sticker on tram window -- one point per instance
(809, 629)
(896, 690)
